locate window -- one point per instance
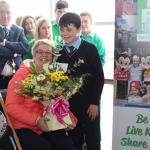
(31, 7)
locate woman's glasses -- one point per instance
(46, 53)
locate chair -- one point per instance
(2, 100)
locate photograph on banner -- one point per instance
(126, 7)
(132, 24)
(132, 76)
(132, 93)
(132, 64)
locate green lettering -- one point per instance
(147, 132)
(133, 143)
(141, 119)
(124, 142)
(134, 131)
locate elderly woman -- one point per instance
(27, 115)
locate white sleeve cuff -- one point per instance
(15, 55)
(4, 41)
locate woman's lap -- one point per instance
(54, 140)
(59, 140)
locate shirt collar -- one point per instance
(91, 34)
(54, 23)
(8, 27)
(76, 44)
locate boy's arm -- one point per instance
(101, 50)
(97, 75)
(98, 83)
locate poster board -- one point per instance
(131, 75)
(132, 51)
(131, 128)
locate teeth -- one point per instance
(44, 60)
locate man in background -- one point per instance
(13, 44)
(60, 8)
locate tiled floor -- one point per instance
(106, 117)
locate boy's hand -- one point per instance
(92, 111)
(41, 124)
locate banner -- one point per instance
(132, 75)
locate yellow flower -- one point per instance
(41, 77)
(27, 79)
(56, 84)
(57, 80)
(25, 86)
(30, 76)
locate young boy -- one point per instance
(88, 35)
(60, 8)
(84, 105)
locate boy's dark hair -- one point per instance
(70, 18)
(61, 4)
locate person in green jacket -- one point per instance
(28, 24)
(43, 30)
(90, 36)
(60, 8)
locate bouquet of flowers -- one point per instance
(52, 88)
(50, 84)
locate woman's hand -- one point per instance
(92, 111)
(71, 126)
(41, 124)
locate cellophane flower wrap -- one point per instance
(52, 89)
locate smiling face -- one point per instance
(44, 30)
(86, 24)
(6, 14)
(134, 91)
(136, 62)
(29, 25)
(43, 52)
(69, 34)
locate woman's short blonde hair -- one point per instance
(40, 42)
(39, 23)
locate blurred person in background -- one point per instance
(28, 24)
(89, 35)
(60, 8)
(43, 30)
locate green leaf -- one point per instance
(32, 65)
